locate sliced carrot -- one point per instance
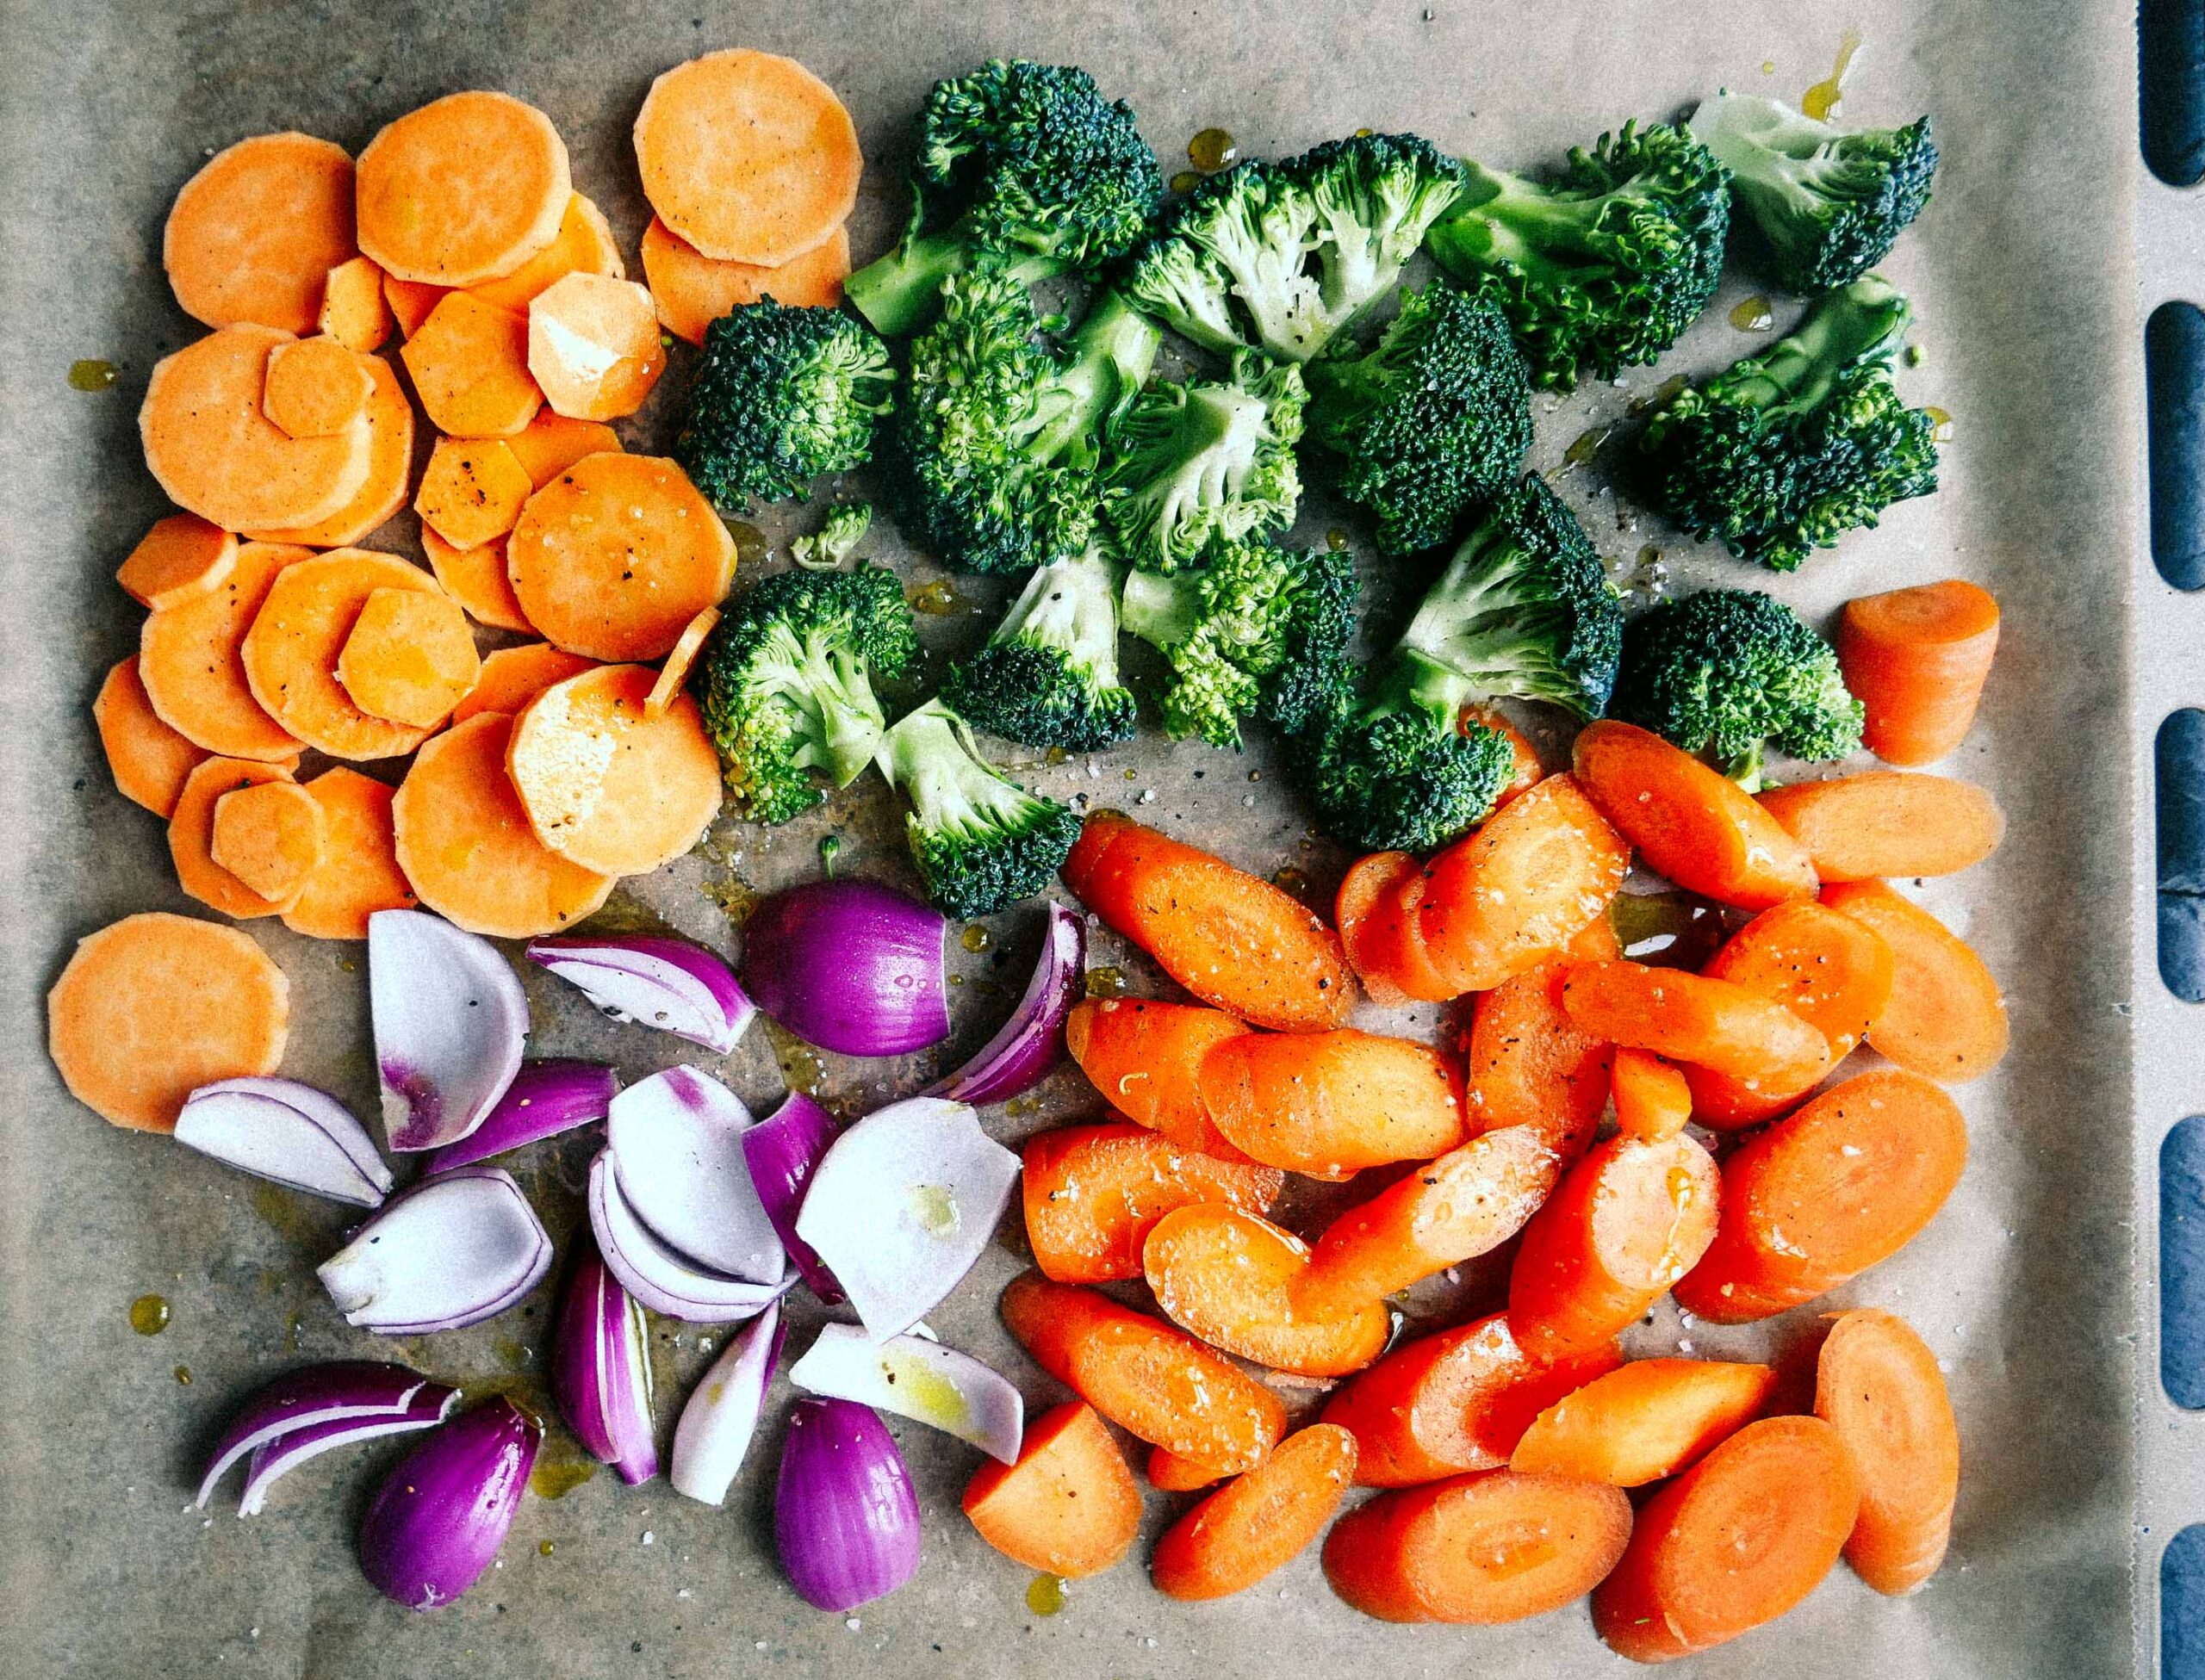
(254, 233)
(594, 346)
(1715, 1024)
(390, 464)
(216, 452)
(551, 444)
(1231, 1279)
(1693, 825)
(1169, 1473)
(409, 657)
(748, 156)
(692, 290)
(1877, 1384)
(464, 189)
(1946, 1019)
(1644, 1421)
(411, 302)
(1827, 1193)
(1369, 882)
(607, 786)
(148, 760)
(1330, 1104)
(292, 650)
(1149, 1379)
(584, 244)
(1889, 822)
(191, 659)
(1466, 1203)
(1093, 1193)
(1258, 1522)
(191, 835)
(1483, 1549)
(1456, 1401)
(1234, 941)
(674, 671)
(1653, 1100)
(153, 1006)
(359, 872)
(512, 677)
(469, 362)
(472, 491)
(316, 388)
(1068, 1506)
(1146, 1058)
(180, 559)
(1528, 1063)
(615, 556)
(1626, 1223)
(462, 839)
(1917, 659)
(268, 835)
(1736, 1541)
(475, 577)
(354, 311)
(1530, 771)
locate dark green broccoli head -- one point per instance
(1376, 195)
(1604, 269)
(1434, 420)
(781, 395)
(1830, 201)
(1727, 670)
(1785, 451)
(1048, 677)
(785, 682)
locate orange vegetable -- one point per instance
(1653, 1100)
(1693, 825)
(1715, 1024)
(1527, 1064)
(410, 657)
(464, 189)
(1236, 942)
(148, 760)
(551, 444)
(1330, 1104)
(1094, 1192)
(1736, 1541)
(191, 835)
(1528, 768)
(1068, 1506)
(1917, 659)
(584, 244)
(410, 302)
(354, 311)
(253, 234)
(1259, 1522)
(476, 579)
(1644, 1421)
(1381, 930)
(1147, 1057)
(512, 677)
(1826, 1193)
(1169, 1473)
(469, 362)
(594, 346)
(268, 835)
(190, 657)
(1946, 1019)
(390, 465)
(472, 491)
(674, 671)
(692, 290)
(1479, 1549)
(292, 650)
(359, 872)
(1231, 1279)
(1889, 822)
(180, 559)
(153, 1006)
(1878, 1385)
(316, 388)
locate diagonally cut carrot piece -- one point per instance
(1230, 1277)
(1258, 1522)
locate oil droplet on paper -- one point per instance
(1940, 423)
(750, 545)
(1106, 981)
(1213, 150)
(937, 599)
(92, 374)
(976, 938)
(1826, 98)
(149, 1314)
(1045, 1595)
(1185, 181)
(1752, 314)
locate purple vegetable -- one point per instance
(288, 1133)
(437, 1521)
(273, 1459)
(546, 1098)
(305, 1398)
(450, 1021)
(673, 985)
(850, 966)
(1033, 1040)
(845, 1518)
(654, 1273)
(601, 1370)
(713, 1437)
(453, 1250)
(676, 1140)
(782, 1151)
(918, 1379)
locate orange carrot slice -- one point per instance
(1528, 1063)
(1093, 1193)
(148, 760)
(1068, 1506)
(472, 491)
(1917, 659)
(190, 657)
(464, 189)
(476, 579)
(1653, 1100)
(354, 311)
(469, 362)
(390, 465)
(1644, 1421)
(1230, 1277)
(512, 677)
(551, 444)
(594, 346)
(410, 657)
(1877, 1384)
(584, 244)
(1258, 1522)
(1147, 1057)
(1889, 822)
(180, 559)
(359, 872)
(1369, 883)
(1169, 1473)
(1711, 1023)
(1946, 1017)
(692, 290)
(1528, 770)
(1330, 1104)
(253, 234)
(268, 835)
(191, 835)
(292, 650)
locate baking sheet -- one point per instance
(2023, 283)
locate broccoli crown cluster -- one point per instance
(1726, 671)
(1784, 452)
(781, 395)
(1433, 420)
(785, 682)
(1048, 677)
(1830, 201)
(1604, 269)
(836, 539)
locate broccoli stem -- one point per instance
(1161, 609)
(1071, 605)
(1427, 685)
(1504, 218)
(830, 683)
(1863, 321)
(928, 755)
(1109, 359)
(898, 293)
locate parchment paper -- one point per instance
(2021, 273)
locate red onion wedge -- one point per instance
(450, 1019)
(902, 1205)
(453, 1250)
(601, 1370)
(846, 1520)
(782, 1151)
(288, 1133)
(308, 1398)
(677, 1150)
(1031, 1041)
(546, 1098)
(713, 1437)
(673, 985)
(919, 1379)
(851, 966)
(273, 1459)
(437, 1520)
(654, 1273)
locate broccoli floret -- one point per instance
(836, 539)
(1024, 163)
(980, 842)
(780, 396)
(1000, 434)
(786, 684)
(1787, 451)
(1048, 676)
(1605, 268)
(1830, 201)
(1259, 630)
(1726, 671)
(1191, 465)
(1434, 420)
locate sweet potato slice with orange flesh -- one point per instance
(585, 244)
(359, 872)
(469, 362)
(268, 835)
(191, 657)
(253, 235)
(153, 1006)
(464, 189)
(316, 388)
(1230, 1277)
(551, 444)
(354, 310)
(1647, 1420)
(594, 346)
(292, 650)
(475, 577)
(673, 671)
(472, 491)
(390, 465)
(191, 836)
(512, 677)
(148, 760)
(409, 658)
(180, 559)
(410, 302)
(692, 290)
(1092, 1193)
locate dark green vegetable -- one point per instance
(780, 396)
(836, 539)
(1048, 676)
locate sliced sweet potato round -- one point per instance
(465, 189)
(512, 677)
(472, 491)
(253, 235)
(585, 245)
(190, 657)
(179, 558)
(476, 579)
(692, 290)
(268, 835)
(469, 362)
(594, 346)
(316, 388)
(148, 760)
(191, 836)
(409, 657)
(292, 650)
(358, 873)
(390, 463)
